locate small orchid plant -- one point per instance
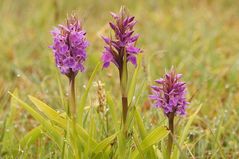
(69, 49)
(170, 96)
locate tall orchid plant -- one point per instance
(120, 50)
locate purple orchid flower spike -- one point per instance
(170, 94)
(69, 47)
(123, 43)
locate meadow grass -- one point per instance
(199, 38)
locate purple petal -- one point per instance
(115, 16)
(134, 38)
(132, 59)
(106, 58)
(132, 49)
(113, 26)
(70, 62)
(106, 64)
(77, 67)
(107, 40)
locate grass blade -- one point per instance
(31, 136)
(134, 79)
(48, 111)
(54, 133)
(8, 140)
(112, 110)
(140, 124)
(56, 117)
(104, 143)
(85, 95)
(175, 154)
(152, 138)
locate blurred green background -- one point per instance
(200, 38)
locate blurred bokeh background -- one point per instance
(199, 38)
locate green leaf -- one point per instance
(137, 143)
(132, 107)
(122, 145)
(55, 117)
(130, 117)
(104, 143)
(85, 95)
(112, 110)
(7, 136)
(175, 154)
(134, 79)
(152, 138)
(54, 133)
(92, 130)
(143, 132)
(31, 136)
(63, 101)
(140, 125)
(48, 111)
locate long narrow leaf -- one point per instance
(52, 131)
(184, 134)
(31, 136)
(140, 125)
(132, 106)
(54, 116)
(134, 80)
(152, 138)
(63, 102)
(104, 143)
(142, 131)
(8, 139)
(85, 95)
(48, 111)
(137, 143)
(112, 110)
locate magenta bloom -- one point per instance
(123, 41)
(69, 46)
(170, 94)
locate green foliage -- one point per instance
(184, 133)
(200, 38)
(152, 138)
(7, 137)
(63, 131)
(84, 97)
(31, 137)
(53, 132)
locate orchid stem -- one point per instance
(123, 72)
(124, 108)
(170, 136)
(72, 97)
(72, 100)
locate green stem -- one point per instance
(124, 108)
(72, 101)
(170, 136)
(123, 73)
(70, 106)
(64, 145)
(72, 97)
